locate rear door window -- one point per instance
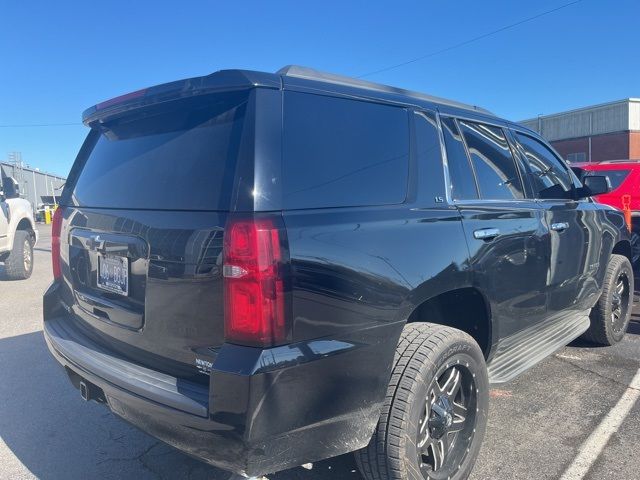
(495, 168)
(181, 156)
(549, 176)
(341, 153)
(463, 184)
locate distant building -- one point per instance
(609, 131)
(34, 184)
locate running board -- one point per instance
(520, 352)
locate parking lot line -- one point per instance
(593, 446)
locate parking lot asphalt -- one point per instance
(538, 424)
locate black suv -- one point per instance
(265, 270)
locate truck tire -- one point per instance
(435, 412)
(635, 249)
(610, 316)
(19, 264)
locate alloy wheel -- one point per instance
(620, 302)
(447, 423)
(27, 255)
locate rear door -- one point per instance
(504, 229)
(575, 275)
(143, 228)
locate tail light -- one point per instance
(56, 228)
(253, 271)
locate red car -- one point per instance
(624, 176)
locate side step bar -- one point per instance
(523, 350)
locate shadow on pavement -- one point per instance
(55, 434)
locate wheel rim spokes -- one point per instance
(452, 384)
(459, 418)
(437, 451)
(26, 255)
(444, 417)
(619, 302)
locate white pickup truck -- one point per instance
(18, 233)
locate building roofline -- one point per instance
(31, 169)
(583, 109)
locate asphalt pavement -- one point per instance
(573, 406)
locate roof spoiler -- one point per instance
(223, 80)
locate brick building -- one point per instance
(609, 131)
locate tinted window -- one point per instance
(340, 153)
(429, 156)
(616, 177)
(549, 177)
(493, 163)
(463, 185)
(178, 157)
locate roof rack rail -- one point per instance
(313, 74)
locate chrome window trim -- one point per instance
(493, 122)
(487, 200)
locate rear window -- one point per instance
(180, 156)
(616, 177)
(340, 153)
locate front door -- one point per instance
(573, 282)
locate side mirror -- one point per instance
(594, 185)
(10, 187)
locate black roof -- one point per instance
(291, 76)
(402, 95)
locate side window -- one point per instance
(496, 171)
(343, 153)
(463, 185)
(431, 182)
(549, 177)
(616, 177)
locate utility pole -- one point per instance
(35, 193)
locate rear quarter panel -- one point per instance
(358, 273)
(359, 268)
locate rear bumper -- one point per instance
(263, 410)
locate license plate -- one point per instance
(113, 274)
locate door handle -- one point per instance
(560, 226)
(486, 233)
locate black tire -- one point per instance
(635, 249)
(425, 355)
(19, 264)
(610, 316)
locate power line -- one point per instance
(374, 72)
(29, 125)
(471, 40)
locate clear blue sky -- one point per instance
(58, 58)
